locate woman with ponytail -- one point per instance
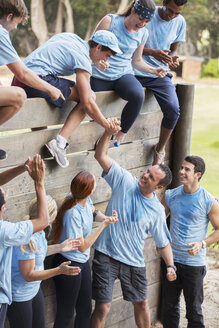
(75, 219)
(27, 308)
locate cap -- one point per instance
(107, 39)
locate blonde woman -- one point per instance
(27, 308)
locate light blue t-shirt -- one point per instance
(121, 64)
(8, 54)
(77, 222)
(161, 35)
(188, 222)
(60, 55)
(11, 234)
(21, 289)
(124, 240)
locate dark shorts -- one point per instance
(106, 270)
(64, 85)
(3, 311)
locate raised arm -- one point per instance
(26, 76)
(67, 245)
(10, 174)
(37, 173)
(26, 268)
(140, 64)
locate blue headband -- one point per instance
(142, 11)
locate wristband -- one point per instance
(203, 244)
(95, 213)
(172, 266)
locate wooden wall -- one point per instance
(135, 155)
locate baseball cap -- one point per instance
(107, 39)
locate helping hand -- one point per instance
(114, 125)
(36, 169)
(111, 219)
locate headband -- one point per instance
(142, 11)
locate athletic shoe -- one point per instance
(113, 143)
(58, 153)
(3, 155)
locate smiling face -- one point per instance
(150, 180)
(137, 21)
(10, 22)
(170, 10)
(187, 174)
(97, 54)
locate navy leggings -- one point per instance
(29, 314)
(128, 88)
(165, 93)
(73, 292)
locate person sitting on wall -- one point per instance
(191, 208)
(166, 30)
(12, 98)
(63, 55)
(119, 249)
(15, 234)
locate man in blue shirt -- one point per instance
(12, 98)
(119, 250)
(14, 234)
(166, 30)
(191, 208)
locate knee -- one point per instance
(102, 309)
(137, 95)
(142, 306)
(171, 116)
(19, 99)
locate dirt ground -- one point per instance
(211, 295)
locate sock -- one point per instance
(61, 142)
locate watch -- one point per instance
(172, 266)
(203, 244)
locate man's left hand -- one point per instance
(196, 246)
(171, 274)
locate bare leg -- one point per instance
(99, 315)
(142, 314)
(120, 136)
(11, 101)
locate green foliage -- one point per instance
(211, 69)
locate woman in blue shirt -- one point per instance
(117, 73)
(75, 219)
(27, 308)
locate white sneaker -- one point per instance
(58, 153)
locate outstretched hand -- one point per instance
(111, 219)
(36, 169)
(68, 270)
(114, 125)
(70, 244)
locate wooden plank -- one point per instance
(46, 114)
(20, 146)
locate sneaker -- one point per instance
(158, 156)
(3, 155)
(58, 153)
(113, 143)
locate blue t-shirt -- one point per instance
(188, 222)
(161, 35)
(21, 289)
(124, 240)
(8, 54)
(60, 55)
(121, 64)
(77, 222)
(11, 234)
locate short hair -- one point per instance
(198, 162)
(177, 2)
(2, 198)
(15, 7)
(149, 4)
(93, 44)
(168, 175)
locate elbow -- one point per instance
(28, 278)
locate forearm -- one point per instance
(94, 112)
(10, 174)
(29, 78)
(42, 275)
(141, 66)
(99, 217)
(212, 238)
(42, 220)
(167, 255)
(149, 52)
(53, 249)
(88, 242)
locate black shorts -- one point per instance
(106, 270)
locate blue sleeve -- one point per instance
(117, 175)
(8, 54)
(72, 224)
(209, 202)
(167, 197)
(181, 32)
(82, 62)
(15, 234)
(145, 36)
(159, 230)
